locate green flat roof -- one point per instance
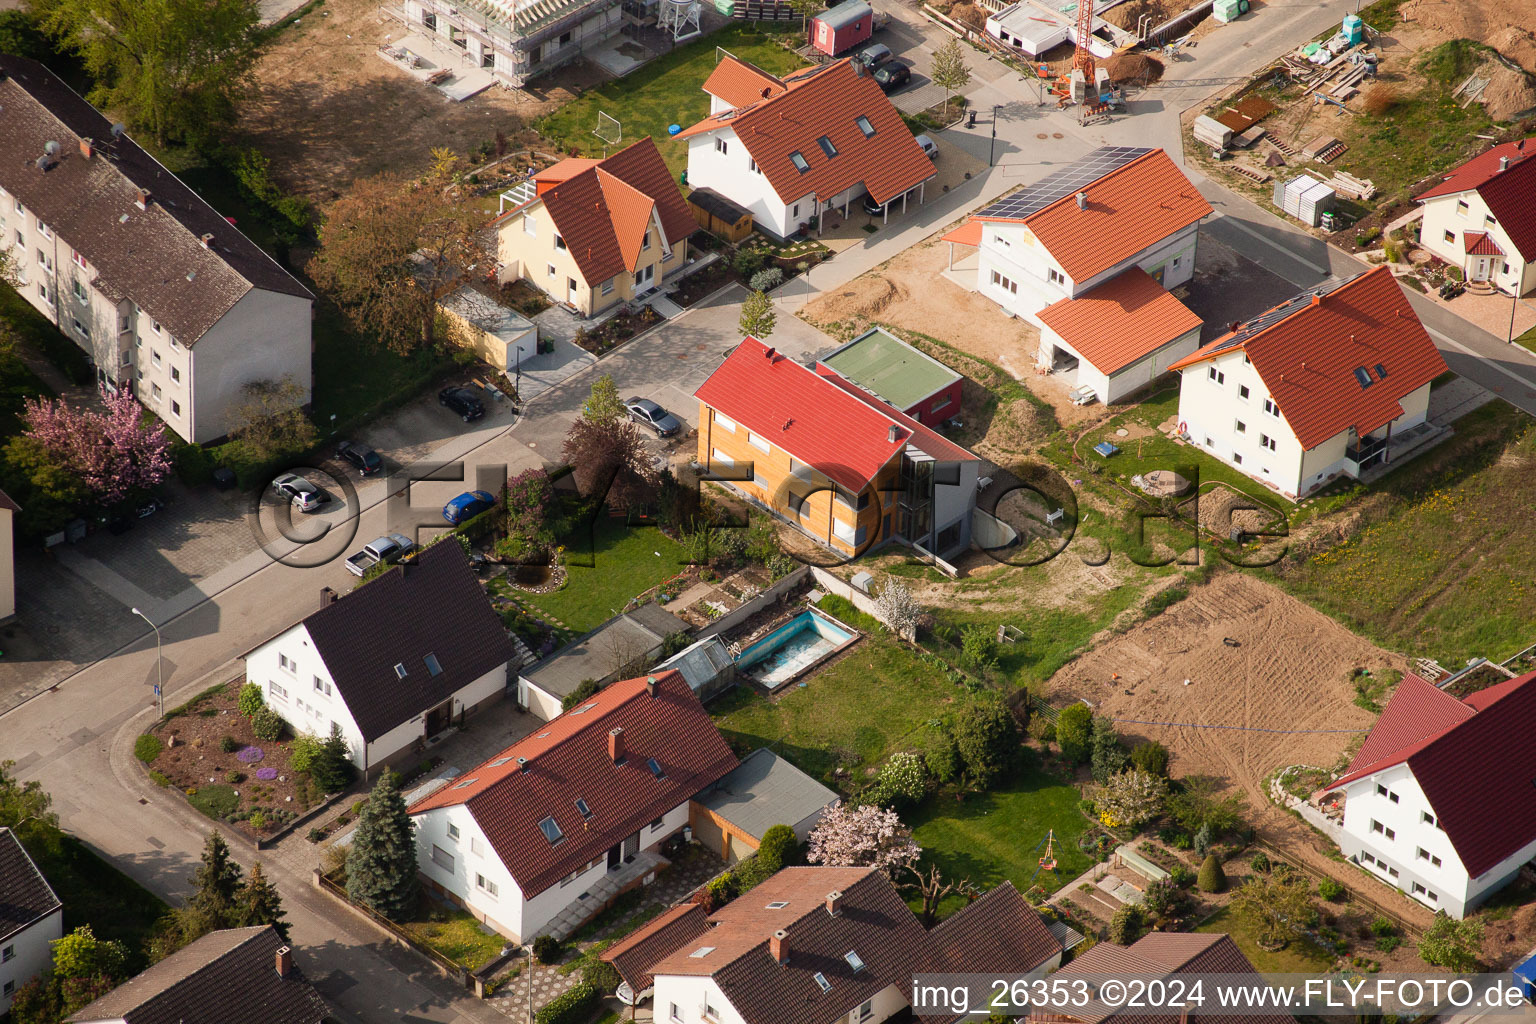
(891, 368)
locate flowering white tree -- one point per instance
(898, 610)
(113, 452)
(862, 837)
(1132, 798)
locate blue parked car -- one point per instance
(467, 506)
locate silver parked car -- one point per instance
(305, 496)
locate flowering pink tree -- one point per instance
(862, 837)
(113, 452)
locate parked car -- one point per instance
(365, 459)
(928, 146)
(871, 207)
(305, 496)
(389, 548)
(626, 995)
(462, 401)
(892, 75)
(467, 505)
(648, 413)
(873, 54)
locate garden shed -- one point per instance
(730, 817)
(842, 28)
(719, 215)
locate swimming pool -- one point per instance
(793, 649)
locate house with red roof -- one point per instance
(813, 945)
(556, 826)
(1332, 382)
(790, 148)
(833, 459)
(1087, 254)
(1436, 803)
(594, 233)
(1481, 218)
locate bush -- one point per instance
(778, 849)
(1211, 877)
(1367, 236)
(1330, 889)
(1381, 927)
(1387, 943)
(546, 949)
(600, 974)
(1392, 250)
(1151, 757)
(146, 748)
(585, 690)
(1125, 925)
(234, 778)
(766, 280)
(1201, 841)
(941, 758)
(987, 738)
(194, 464)
(303, 751)
(1182, 876)
(1073, 732)
(1259, 862)
(267, 724)
(722, 889)
(574, 1006)
(229, 744)
(748, 262)
(251, 699)
(159, 779)
(903, 779)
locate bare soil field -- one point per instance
(1507, 26)
(327, 109)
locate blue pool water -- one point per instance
(792, 648)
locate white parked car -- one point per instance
(306, 497)
(930, 147)
(626, 995)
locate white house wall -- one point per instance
(689, 993)
(1212, 410)
(1442, 216)
(265, 336)
(730, 173)
(1173, 257)
(541, 702)
(291, 691)
(472, 854)
(1404, 817)
(31, 953)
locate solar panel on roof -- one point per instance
(1062, 183)
(1289, 307)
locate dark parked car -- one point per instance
(462, 401)
(365, 459)
(648, 413)
(892, 75)
(873, 55)
(467, 505)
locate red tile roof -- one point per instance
(1125, 318)
(968, 233)
(1307, 356)
(999, 932)
(637, 953)
(602, 209)
(1480, 243)
(1128, 210)
(1163, 955)
(822, 101)
(738, 83)
(568, 759)
(1485, 813)
(1508, 196)
(1480, 169)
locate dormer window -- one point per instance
(864, 126)
(551, 831)
(584, 808)
(798, 159)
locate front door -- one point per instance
(644, 278)
(439, 718)
(573, 293)
(615, 858)
(1479, 270)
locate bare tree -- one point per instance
(932, 887)
(269, 419)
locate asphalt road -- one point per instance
(75, 738)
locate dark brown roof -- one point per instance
(568, 760)
(6, 501)
(25, 896)
(225, 977)
(145, 255)
(997, 933)
(639, 951)
(433, 605)
(603, 211)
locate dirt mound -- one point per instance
(1509, 94)
(1505, 27)
(969, 14)
(861, 299)
(1134, 67)
(1128, 15)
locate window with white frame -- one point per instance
(1268, 442)
(78, 287)
(1007, 285)
(442, 858)
(1240, 426)
(44, 229)
(1242, 392)
(486, 886)
(1384, 791)
(7, 953)
(78, 259)
(1216, 375)
(1462, 207)
(322, 686)
(676, 1013)
(154, 356)
(552, 270)
(718, 456)
(608, 287)
(81, 329)
(453, 831)
(176, 408)
(1424, 854)
(721, 146)
(155, 391)
(645, 242)
(758, 441)
(176, 374)
(725, 423)
(1270, 407)
(844, 532)
(1056, 276)
(277, 691)
(285, 663)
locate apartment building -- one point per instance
(516, 41)
(165, 296)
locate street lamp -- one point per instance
(992, 150)
(159, 660)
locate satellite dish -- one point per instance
(51, 148)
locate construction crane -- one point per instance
(1083, 60)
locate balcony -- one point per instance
(1365, 451)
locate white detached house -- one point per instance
(31, 918)
(1437, 801)
(1332, 382)
(392, 664)
(1481, 218)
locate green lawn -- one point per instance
(1444, 564)
(454, 932)
(356, 376)
(1300, 956)
(999, 835)
(96, 893)
(1527, 340)
(604, 571)
(875, 700)
(667, 91)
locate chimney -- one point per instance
(835, 902)
(778, 947)
(650, 685)
(85, 148)
(1317, 298)
(328, 596)
(284, 961)
(616, 745)
(1503, 164)
(522, 764)
(894, 433)
(1082, 200)
(143, 201)
(207, 241)
(1235, 326)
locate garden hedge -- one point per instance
(575, 1006)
